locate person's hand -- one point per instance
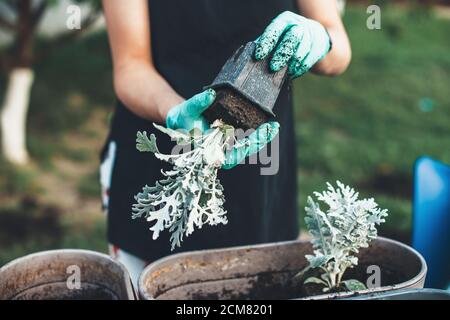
(251, 145)
(297, 42)
(188, 115)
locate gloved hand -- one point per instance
(251, 144)
(304, 42)
(188, 115)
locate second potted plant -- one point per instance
(344, 258)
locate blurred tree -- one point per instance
(21, 18)
(341, 6)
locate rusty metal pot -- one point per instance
(53, 275)
(266, 272)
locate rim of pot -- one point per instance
(143, 293)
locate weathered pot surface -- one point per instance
(52, 275)
(267, 271)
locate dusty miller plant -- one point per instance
(190, 195)
(338, 233)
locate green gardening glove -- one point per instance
(297, 42)
(252, 144)
(188, 115)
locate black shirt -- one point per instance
(191, 40)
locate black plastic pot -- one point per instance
(267, 272)
(45, 276)
(246, 90)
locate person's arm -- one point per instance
(326, 12)
(136, 81)
(146, 93)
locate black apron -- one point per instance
(191, 40)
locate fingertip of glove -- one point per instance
(275, 128)
(269, 130)
(276, 65)
(275, 125)
(258, 56)
(260, 52)
(209, 95)
(211, 92)
(228, 166)
(297, 70)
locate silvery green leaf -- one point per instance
(145, 144)
(354, 285)
(177, 135)
(319, 260)
(214, 156)
(302, 272)
(339, 232)
(190, 194)
(165, 157)
(315, 280)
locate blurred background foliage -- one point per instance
(365, 128)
